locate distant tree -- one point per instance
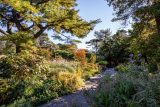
(99, 37)
(111, 48)
(68, 47)
(114, 48)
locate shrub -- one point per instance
(70, 81)
(20, 73)
(5, 67)
(102, 62)
(80, 55)
(45, 53)
(122, 68)
(57, 67)
(89, 70)
(28, 79)
(64, 54)
(137, 87)
(102, 65)
(152, 67)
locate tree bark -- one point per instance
(157, 18)
(9, 27)
(145, 58)
(156, 4)
(40, 32)
(18, 49)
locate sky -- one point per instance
(92, 10)
(96, 9)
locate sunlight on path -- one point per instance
(78, 98)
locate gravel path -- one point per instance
(78, 98)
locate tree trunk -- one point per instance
(18, 49)
(157, 15)
(145, 58)
(157, 18)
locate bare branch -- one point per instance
(4, 11)
(3, 17)
(29, 27)
(9, 27)
(15, 18)
(43, 1)
(42, 29)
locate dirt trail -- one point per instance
(78, 98)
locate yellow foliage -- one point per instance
(21, 5)
(72, 81)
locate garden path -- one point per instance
(78, 99)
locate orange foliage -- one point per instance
(80, 55)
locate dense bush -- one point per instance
(70, 81)
(137, 87)
(80, 55)
(122, 68)
(89, 70)
(102, 63)
(19, 73)
(29, 79)
(152, 67)
(64, 54)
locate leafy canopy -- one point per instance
(146, 25)
(36, 16)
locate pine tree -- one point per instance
(37, 16)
